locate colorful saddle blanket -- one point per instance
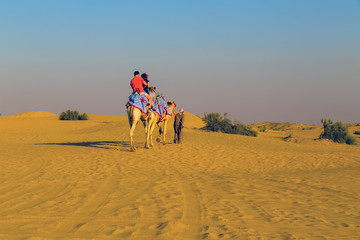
(138, 101)
(161, 108)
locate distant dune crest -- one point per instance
(33, 114)
(192, 120)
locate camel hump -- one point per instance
(138, 101)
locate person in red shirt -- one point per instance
(137, 85)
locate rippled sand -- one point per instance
(78, 180)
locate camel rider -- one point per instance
(147, 85)
(137, 85)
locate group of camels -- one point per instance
(149, 120)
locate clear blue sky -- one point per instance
(258, 60)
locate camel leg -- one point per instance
(151, 130)
(132, 144)
(160, 126)
(129, 111)
(130, 118)
(146, 127)
(134, 117)
(148, 124)
(151, 123)
(150, 139)
(164, 132)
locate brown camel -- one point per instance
(161, 122)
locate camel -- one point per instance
(160, 122)
(134, 115)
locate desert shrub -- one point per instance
(262, 128)
(243, 129)
(350, 140)
(357, 132)
(337, 132)
(213, 121)
(220, 123)
(73, 115)
(84, 116)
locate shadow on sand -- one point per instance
(114, 145)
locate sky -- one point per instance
(257, 60)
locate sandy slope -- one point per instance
(78, 180)
(33, 114)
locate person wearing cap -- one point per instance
(178, 126)
(137, 84)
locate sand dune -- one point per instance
(33, 114)
(78, 180)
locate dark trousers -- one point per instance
(178, 135)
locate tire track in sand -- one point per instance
(150, 222)
(54, 192)
(191, 214)
(15, 194)
(24, 176)
(19, 190)
(91, 208)
(97, 206)
(245, 221)
(255, 217)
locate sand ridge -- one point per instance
(32, 115)
(78, 180)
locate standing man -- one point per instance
(178, 126)
(137, 84)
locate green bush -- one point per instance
(213, 121)
(73, 115)
(350, 140)
(262, 128)
(84, 116)
(337, 132)
(220, 123)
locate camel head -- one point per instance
(171, 104)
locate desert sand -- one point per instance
(78, 180)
